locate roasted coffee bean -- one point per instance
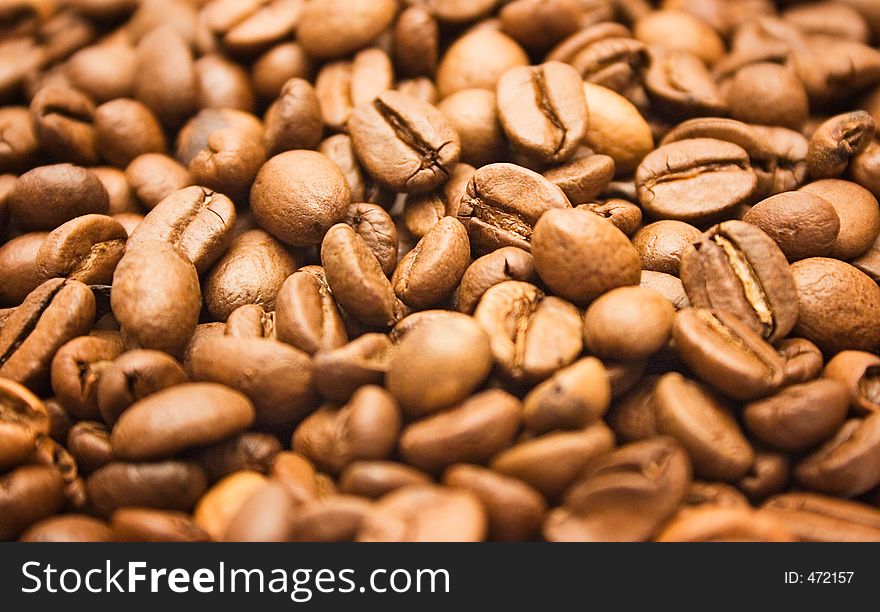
(404, 143)
(266, 516)
(251, 321)
(616, 128)
(543, 110)
(64, 123)
(377, 228)
(245, 451)
(837, 141)
(422, 212)
(839, 305)
(803, 360)
(416, 39)
(737, 268)
(77, 369)
(340, 150)
(252, 271)
(624, 215)
(582, 180)
(154, 177)
(478, 59)
(474, 115)
(470, 432)
(817, 518)
(246, 28)
(374, 479)
(336, 518)
(726, 353)
(552, 462)
(680, 85)
(47, 196)
(573, 398)
(784, 98)
(120, 194)
(713, 524)
(278, 65)
(18, 267)
(147, 525)
(333, 28)
(503, 203)
(306, 314)
(859, 215)
(504, 264)
(789, 162)
(643, 481)
(859, 373)
(769, 475)
(68, 528)
(628, 323)
(196, 220)
(799, 416)
(514, 509)
(290, 203)
(156, 297)
(223, 84)
(425, 513)
(166, 78)
(430, 272)
(133, 376)
(294, 119)
(23, 419)
(218, 506)
(801, 224)
(20, 144)
(846, 465)
(167, 485)
(86, 249)
(661, 244)
(52, 314)
(366, 427)
(342, 86)
(667, 285)
(27, 494)
(695, 179)
(339, 372)
(125, 129)
(356, 279)
(581, 256)
(538, 25)
(531, 334)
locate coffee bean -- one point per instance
(166, 485)
(847, 464)
(68, 528)
(474, 115)
(166, 78)
(251, 321)
(47, 196)
(245, 451)
(667, 285)
(672, 29)
(377, 228)
(801, 224)
(859, 215)
(266, 516)
(64, 123)
(156, 297)
(27, 494)
(89, 444)
(726, 353)
(506, 263)
(803, 360)
(816, 518)
(154, 177)
(580, 256)
(695, 179)
(18, 267)
(219, 505)
(336, 518)
(223, 84)
(573, 398)
(147, 525)
(333, 28)
(478, 59)
(714, 524)
(306, 314)
(784, 98)
(125, 129)
(737, 268)
(837, 141)
(374, 479)
(278, 65)
(859, 373)
(23, 418)
(531, 334)
(616, 128)
(661, 244)
(77, 369)
(628, 323)
(582, 180)
(339, 372)
(133, 376)
(405, 144)
(826, 286)
(20, 139)
(680, 86)
(416, 41)
(87, 249)
(624, 215)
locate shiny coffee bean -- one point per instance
(87, 249)
(847, 464)
(339, 372)
(77, 369)
(859, 372)
(572, 398)
(628, 323)
(306, 315)
(133, 376)
(504, 264)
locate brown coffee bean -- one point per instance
(278, 65)
(167, 485)
(154, 177)
(405, 144)
(252, 271)
(661, 244)
(543, 110)
(86, 249)
(673, 29)
(695, 179)
(122, 199)
(532, 335)
(680, 85)
(377, 228)
(769, 475)
(803, 360)
(251, 321)
(832, 19)
(218, 506)
(339, 372)
(89, 444)
(306, 314)
(503, 203)
(156, 297)
(477, 60)
(581, 256)
(247, 28)
(294, 119)
(336, 518)
(624, 215)
(295, 207)
(644, 482)
(52, 314)
(104, 71)
(47, 196)
(616, 128)
(474, 115)
(714, 524)
(64, 123)
(68, 528)
(800, 416)
(367, 427)
(18, 267)
(27, 494)
(817, 518)
(23, 419)
(726, 353)
(416, 41)
(413, 321)
(374, 479)
(155, 427)
(737, 268)
(166, 78)
(266, 516)
(425, 513)
(76, 370)
(125, 129)
(605, 54)
(848, 464)
(667, 285)
(470, 432)
(423, 211)
(551, 462)
(827, 286)
(837, 141)
(784, 98)
(223, 84)
(433, 269)
(506, 263)
(628, 323)
(133, 376)
(859, 373)
(147, 525)
(245, 451)
(196, 220)
(801, 224)
(582, 180)
(859, 215)
(333, 28)
(356, 279)
(573, 398)
(714, 494)
(20, 143)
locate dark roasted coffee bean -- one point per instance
(737, 268)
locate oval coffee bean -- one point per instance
(155, 427)
(859, 373)
(802, 224)
(848, 464)
(714, 524)
(837, 141)
(77, 369)
(306, 315)
(817, 518)
(251, 321)
(219, 505)
(572, 398)
(166, 485)
(582, 180)
(803, 360)
(858, 212)
(27, 494)
(504, 264)
(47, 196)
(87, 249)
(377, 228)
(628, 323)
(68, 528)
(133, 376)
(147, 525)
(338, 373)
(374, 479)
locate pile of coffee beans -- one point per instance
(383, 270)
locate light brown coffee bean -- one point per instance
(77, 369)
(846, 465)
(133, 376)
(219, 505)
(306, 314)
(714, 524)
(803, 360)
(47, 196)
(582, 180)
(27, 494)
(374, 479)
(859, 373)
(333, 28)
(572, 398)
(859, 215)
(477, 60)
(166, 485)
(87, 249)
(146, 525)
(153, 177)
(628, 323)
(661, 244)
(817, 518)
(801, 224)
(339, 372)
(23, 419)
(837, 141)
